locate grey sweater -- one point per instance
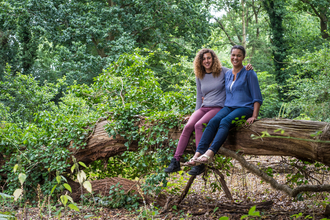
(212, 89)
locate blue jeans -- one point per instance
(218, 128)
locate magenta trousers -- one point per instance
(195, 122)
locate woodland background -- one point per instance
(66, 65)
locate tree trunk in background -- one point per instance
(295, 141)
(243, 25)
(320, 10)
(276, 11)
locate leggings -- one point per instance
(218, 127)
(195, 122)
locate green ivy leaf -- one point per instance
(68, 187)
(51, 192)
(15, 168)
(73, 207)
(73, 167)
(82, 164)
(64, 199)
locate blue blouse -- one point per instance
(245, 91)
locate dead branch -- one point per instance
(223, 183)
(186, 190)
(254, 169)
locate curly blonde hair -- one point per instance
(199, 68)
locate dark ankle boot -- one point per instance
(196, 170)
(173, 167)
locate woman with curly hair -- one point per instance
(210, 100)
(243, 100)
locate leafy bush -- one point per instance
(43, 141)
(40, 146)
(310, 86)
(23, 96)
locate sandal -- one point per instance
(188, 164)
(198, 162)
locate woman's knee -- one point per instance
(226, 122)
(189, 127)
(215, 121)
(199, 126)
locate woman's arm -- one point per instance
(256, 107)
(256, 96)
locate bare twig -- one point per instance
(186, 190)
(164, 209)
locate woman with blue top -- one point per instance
(243, 98)
(210, 99)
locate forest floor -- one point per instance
(204, 197)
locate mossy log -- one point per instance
(297, 140)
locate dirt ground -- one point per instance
(205, 201)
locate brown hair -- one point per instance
(199, 68)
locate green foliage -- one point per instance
(148, 213)
(118, 198)
(23, 96)
(239, 122)
(88, 35)
(172, 72)
(300, 216)
(269, 88)
(135, 97)
(40, 148)
(252, 213)
(6, 216)
(318, 9)
(128, 93)
(309, 86)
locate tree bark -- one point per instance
(243, 25)
(297, 140)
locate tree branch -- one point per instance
(223, 28)
(314, 9)
(254, 169)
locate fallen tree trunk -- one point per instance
(297, 140)
(306, 140)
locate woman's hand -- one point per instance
(187, 118)
(249, 67)
(249, 121)
(256, 107)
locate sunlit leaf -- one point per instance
(82, 164)
(64, 199)
(69, 198)
(73, 167)
(88, 186)
(67, 186)
(51, 192)
(22, 178)
(81, 176)
(58, 179)
(15, 168)
(17, 193)
(5, 195)
(73, 207)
